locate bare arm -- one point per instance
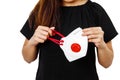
(30, 50)
(105, 54)
(105, 51)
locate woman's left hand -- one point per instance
(95, 35)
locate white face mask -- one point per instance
(74, 45)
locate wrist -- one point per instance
(31, 43)
(102, 45)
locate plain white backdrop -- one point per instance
(13, 14)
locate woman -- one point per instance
(65, 16)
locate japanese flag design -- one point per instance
(75, 45)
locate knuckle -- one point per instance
(41, 41)
(45, 38)
(47, 34)
(99, 40)
(35, 40)
(102, 32)
(36, 30)
(99, 27)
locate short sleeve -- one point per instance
(106, 24)
(27, 31)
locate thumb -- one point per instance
(52, 28)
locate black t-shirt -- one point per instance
(53, 64)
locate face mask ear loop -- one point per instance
(59, 42)
(55, 32)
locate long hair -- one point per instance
(46, 13)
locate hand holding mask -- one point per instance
(73, 45)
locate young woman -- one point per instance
(64, 16)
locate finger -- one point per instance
(44, 33)
(92, 36)
(95, 40)
(92, 28)
(42, 37)
(91, 32)
(51, 33)
(40, 40)
(52, 28)
(43, 30)
(87, 33)
(49, 30)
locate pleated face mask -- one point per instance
(74, 45)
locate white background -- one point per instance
(13, 14)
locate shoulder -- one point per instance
(98, 8)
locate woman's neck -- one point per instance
(74, 2)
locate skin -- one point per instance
(94, 34)
(104, 50)
(40, 35)
(73, 2)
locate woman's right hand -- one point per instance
(40, 35)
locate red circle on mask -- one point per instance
(75, 47)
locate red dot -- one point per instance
(75, 47)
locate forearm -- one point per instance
(105, 51)
(40, 35)
(29, 52)
(105, 55)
